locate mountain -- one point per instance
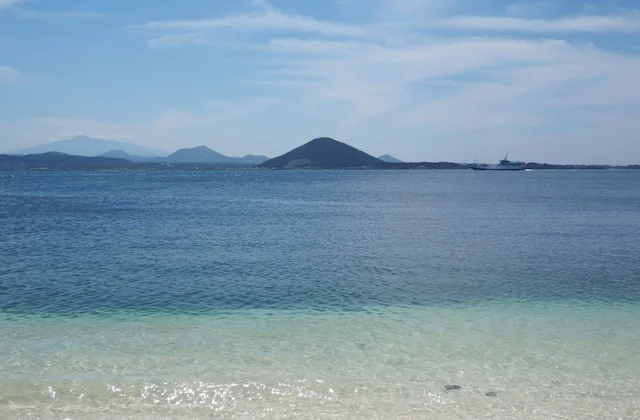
(200, 154)
(323, 152)
(389, 159)
(203, 154)
(57, 160)
(88, 146)
(124, 155)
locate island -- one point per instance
(318, 153)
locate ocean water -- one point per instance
(320, 294)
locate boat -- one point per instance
(504, 165)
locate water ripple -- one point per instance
(77, 243)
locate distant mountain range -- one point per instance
(203, 154)
(119, 154)
(319, 153)
(60, 161)
(89, 146)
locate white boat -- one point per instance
(504, 165)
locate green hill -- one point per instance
(203, 154)
(323, 152)
(200, 154)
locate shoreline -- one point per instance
(439, 166)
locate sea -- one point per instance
(347, 294)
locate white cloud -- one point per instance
(175, 33)
(48, 14)
(605, 24)
(530, 8)
(177, 40)
(269, 20)
(374, 81)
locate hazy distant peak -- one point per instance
(119, 154)
(83, 145)
(115, 153)
(198, 154)
(202, 148)
(81, 137)
(255, 157)
(390, 159)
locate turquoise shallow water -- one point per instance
(337, 294)
(542, 361)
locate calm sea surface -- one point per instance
(320, 294)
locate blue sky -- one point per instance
(553, 81)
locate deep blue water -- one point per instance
(198, 242)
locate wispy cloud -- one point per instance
(413, 6)
(403, 10)
(49, 14)
(178, 40)
(530, 8)
(4, 4)
(217, 111)
(372, 80)
(605, 24)
(9, 75)
(265, 19)
(261, 21)
(171, 129)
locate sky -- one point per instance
(434, 80)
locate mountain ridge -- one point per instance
(59, 160)
(198, 154)
(89, 146)
(124, 155)
(95, 147)
(204, 154)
